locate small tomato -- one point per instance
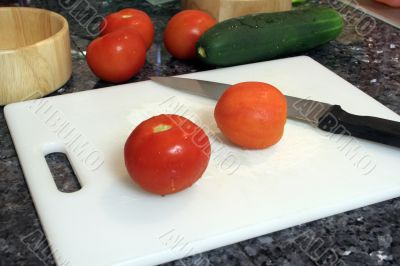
(130, 17)
(118, 56)
(252, 114)
(184, 30)
(166, 154)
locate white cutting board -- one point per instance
(110, 221)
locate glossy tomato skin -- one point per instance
(117, 56)
(129, 17)
(168, 161)
(184, 30)
(393, 3)
(252, 114)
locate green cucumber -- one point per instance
(267, 36)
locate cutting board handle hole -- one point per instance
(62, 172)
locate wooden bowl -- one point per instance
(225, 9)
(35, 56)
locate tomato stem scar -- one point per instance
(161, 128)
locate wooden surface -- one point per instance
(35, 57)
(224, 9)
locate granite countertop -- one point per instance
(368, 59)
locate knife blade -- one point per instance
(327, 117)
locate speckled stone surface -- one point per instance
(365, 237)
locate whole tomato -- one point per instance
(184, 30)
(117, 56)
(252, 114)
(166, 154)
(130, 17)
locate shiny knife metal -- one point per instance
(330, 118)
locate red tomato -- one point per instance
(184, 30)
(166, 154)
(252, 114)
(393, 3)
(117, 56)
(130, 17)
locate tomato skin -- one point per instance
(392, 3)
(129, 17)
(169, 161)
(252, 114)
(184, 30)
(117, 56)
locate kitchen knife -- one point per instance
(330, 118)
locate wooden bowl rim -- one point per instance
(63, 29)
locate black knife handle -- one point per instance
(338, 121)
